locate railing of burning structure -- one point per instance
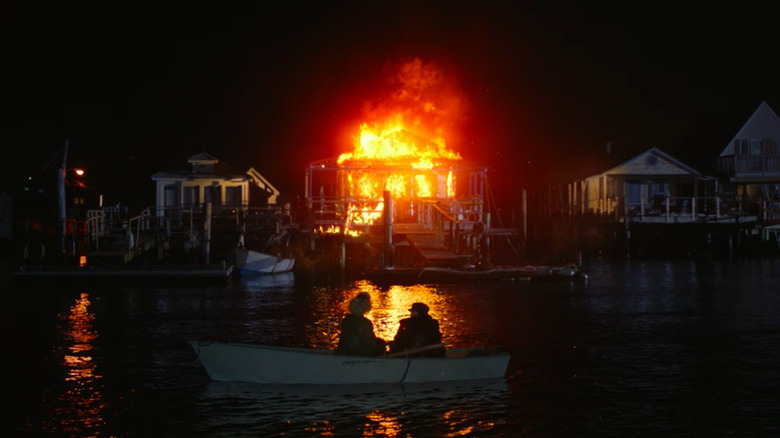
(430, 213)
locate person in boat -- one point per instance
(357, 336)
(418, 331)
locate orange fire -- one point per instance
(407, 132)
(402, 148)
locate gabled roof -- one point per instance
(203, 158)
(652, 162)
(189, 176)
(763, 124)
(209, 167)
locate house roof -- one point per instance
(208, 167)
(189, 176)
(203, 158)
(652, 162)
(221, 171)
(764, 123)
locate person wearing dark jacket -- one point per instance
(357, 336)
(419, 330)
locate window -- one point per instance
(740, 147)
(212, 194)
(190, 196)
(770, 147)
(170, 196)
(233, 196)
(755, 147)
(657, 190)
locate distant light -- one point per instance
(79, 172)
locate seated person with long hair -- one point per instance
(357, 336)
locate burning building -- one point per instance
(400, 173)
(424, 182)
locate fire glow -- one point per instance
(402, 147)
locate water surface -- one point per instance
(643, 348)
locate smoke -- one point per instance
(422, 97)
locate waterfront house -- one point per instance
(749, 165)
(217, 206)
(210, 181)
(652, 183)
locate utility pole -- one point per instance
(61, 199)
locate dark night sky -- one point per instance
(276, 85)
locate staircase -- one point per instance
(431, 247)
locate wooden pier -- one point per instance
(125, 274)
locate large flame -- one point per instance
(405, 134)
(393, 143)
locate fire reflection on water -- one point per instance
(391, 305)
(383, 424)
(80, 401)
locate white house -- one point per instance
(211, 181)
(750, 162)
(644, 183)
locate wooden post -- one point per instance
(628, 228)
(342, 253)
(525, 217)
(387, 239)
(487, 250)
(207, 234)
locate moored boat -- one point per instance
(243, 362)
(250, 262)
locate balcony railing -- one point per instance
(754, 165)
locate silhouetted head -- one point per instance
(420, 308)
(360, 304)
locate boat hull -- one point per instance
(291, 365)
(251, 262)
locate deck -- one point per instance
(126, 274)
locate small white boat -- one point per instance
(251, 262)
(238, 362)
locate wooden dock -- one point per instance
(168, 275)
(438, 275)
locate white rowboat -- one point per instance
(294, 365)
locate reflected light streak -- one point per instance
(382, 424)
(81, 403)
